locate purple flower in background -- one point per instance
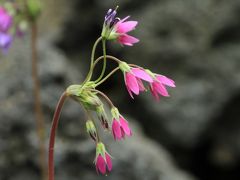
(5, 20)
(5, 41)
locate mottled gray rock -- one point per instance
(194, 43)
(197, 44)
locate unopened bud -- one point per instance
(34, 8)
(102, 116)
(91, 129)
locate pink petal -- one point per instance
(109, 162)
(131, 83)
(126, 26)
(122, 20)
(140, 85)
(127, 40)
(116, 130)
(125, 127)
(158, 87)
(130, 92)
(154, 93)
(165, 80)
(140, 73)
(100, 164)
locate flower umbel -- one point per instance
(103, 160)
(94, 101)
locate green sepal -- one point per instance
(150, 73)
(124, 67)
(115, 113)
(100, 149)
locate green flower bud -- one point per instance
(102, 116)
(34, 8)
(91, 129)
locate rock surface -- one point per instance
(195, 43)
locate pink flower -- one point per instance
(120, 128)
(133, 80)
(122, 27)
(117, 29)
(103, 160)
(158, 86)
(5, 20)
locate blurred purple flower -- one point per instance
(5, 41)
(5, 20)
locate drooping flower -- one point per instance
(133, 78)
(158, 86)
(121, 28)
(103, 160)
(5, 41)
(117, 29)
(120, 127)
(5, 20)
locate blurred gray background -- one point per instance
(192, 135)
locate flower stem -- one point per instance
(89, 75)
(104, 61)
(105, 97)
(37, 104)
(106, 77)
(53, 134)
(107, 58)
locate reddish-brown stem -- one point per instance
(53, 134)
(37, 105)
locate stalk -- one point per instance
(53, 134)
(106, 77)
(37, 104)
(89, 75)
(104, 60)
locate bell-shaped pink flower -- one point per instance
(133, 80)
(122, 27)
(120, 128)
(103, 160)
(5, 20)
(102, 165)
(158, 86)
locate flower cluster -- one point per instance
(6, 22)
(14, 20)
(136, 78)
